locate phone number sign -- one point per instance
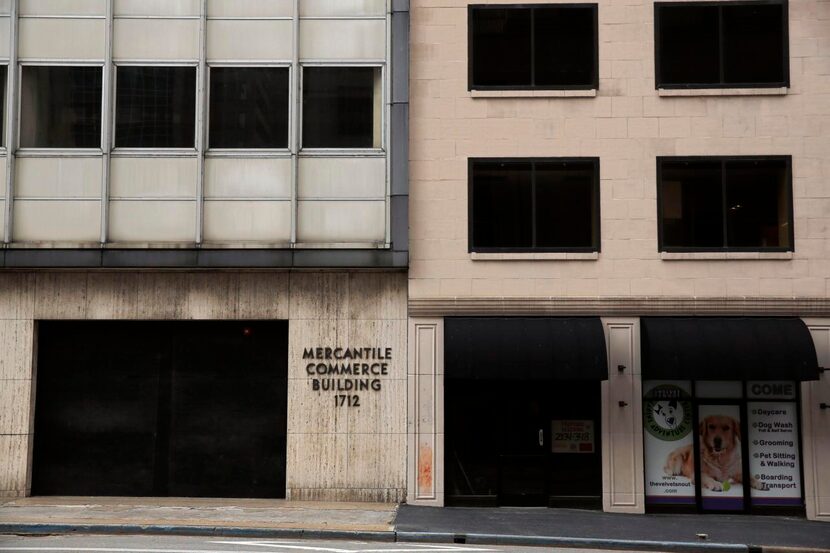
(572, 436)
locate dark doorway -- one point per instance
(531, 443)
(188, 409)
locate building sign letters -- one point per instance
(346, 371)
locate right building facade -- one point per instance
(619, 287)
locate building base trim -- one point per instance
(619, 306)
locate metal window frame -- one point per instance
(596, 216)
(594, 85)
(348, 152)
(785, 53)
(661, 247)
(154, 152)
(246, 152)
(58, 151)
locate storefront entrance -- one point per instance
(522, 411)
(523, 443)
(184, 409)
(721, 407)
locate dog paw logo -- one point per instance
(668, 414)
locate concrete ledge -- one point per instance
(726, 256)
(549, 256)
(782, 91)
(620, 306)
(533, 93)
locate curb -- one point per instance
(579, 543)
(390, 536)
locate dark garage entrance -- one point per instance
(181, 409)
(522, 411)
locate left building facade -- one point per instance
(203, 271)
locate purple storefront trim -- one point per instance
(722, 503)
(670, 500)
(792, 501)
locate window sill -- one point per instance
(782, 91)
(547, 256)
(533, 93)
(725, 256)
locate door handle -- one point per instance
(541, 437)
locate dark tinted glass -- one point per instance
(502, 205)
(60, 107)
(565, 205)
(249, 107)
(339, 107)
(501, 47)
(753, 50)
(4, 70)
(564, 42)
(692, 204)
(688, 45)
(155, 107)
(758, 204)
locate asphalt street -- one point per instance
(177, 544)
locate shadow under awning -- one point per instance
(727, 348)
(523, 348)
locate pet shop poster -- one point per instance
(721, 461)
(668, 441)
(774, 463)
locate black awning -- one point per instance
(727, 348)
(519, 348)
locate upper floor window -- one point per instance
(725, 204)
(155, 107)
(534, 205)
(540, 46)
(342, 107)
(60, 107)
(249, 107)
(721, 44)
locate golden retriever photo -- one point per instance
(720, 456)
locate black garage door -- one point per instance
(184, 409)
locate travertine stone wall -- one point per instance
(333, 453)
(627, 125)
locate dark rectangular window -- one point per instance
(716, 204)
(342, 107)
(248, 107)
(721, 44)
(4, 73)
(155, 107)
(60, 107)
(534, 205)
(544, 46)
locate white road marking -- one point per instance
(414, 548)
(278, 545)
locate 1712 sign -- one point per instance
(345, 372)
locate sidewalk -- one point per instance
(246, 517)
(619, 529)
(388, 522)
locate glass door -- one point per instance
(721, 468)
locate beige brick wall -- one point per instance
(627, 125)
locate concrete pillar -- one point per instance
(622, 419)
(815, 428)
(425, 413)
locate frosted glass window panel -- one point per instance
(250, 8)
(248, 107)
(63, 7)
(340, 8)
(155, 107)
(157, 8)
(55, 38)
(342, 107)
(60, 107)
